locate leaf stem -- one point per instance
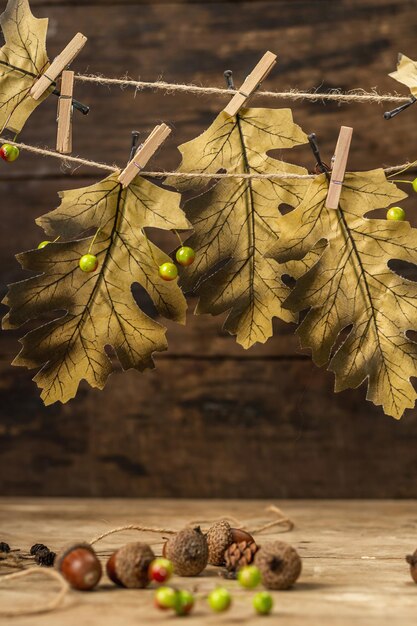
(93, 240)
(413, 164)
(179, 238)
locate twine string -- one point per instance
(335, 95)
(144, 529)
(11, 560)
(280, 519)
(46, 152)
(47, 606)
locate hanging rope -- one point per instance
(162, 174)
(335, 95)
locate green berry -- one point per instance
(168, 271)
(185, 256)
(88, 263)
(9, 153)
(219, 599)
(263, 603)
(249, 576)
(184, 602)
(165, 598)
(396, 213)
(414, 183)
(43, 244)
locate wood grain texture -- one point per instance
(229, 416)
(342, 45)
(206, 427)
(354, 570)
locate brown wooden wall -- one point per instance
(212, 419)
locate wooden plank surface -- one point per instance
(209, 400)
(323, 45)
(353, 560)
(204, 427)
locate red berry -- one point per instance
(9, 153)
(160, 570)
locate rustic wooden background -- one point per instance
(212, 419)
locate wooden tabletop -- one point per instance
(353, 560)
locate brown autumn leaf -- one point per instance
(22, 59)
(99, 307)
(352, 285)
(237, 219)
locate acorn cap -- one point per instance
(188, 552)
(219, 538)
(128, 566)
(279, 563)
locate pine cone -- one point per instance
(240, 554)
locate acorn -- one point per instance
(279, 563)
(412, 561)
(188, 552)
(79, 565)
(220, 536)
(128, 566)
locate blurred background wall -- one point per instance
(212, 419)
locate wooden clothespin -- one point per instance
(64, 59)
(64, 116)
(144, 153)
(251, 83)
(339, 167)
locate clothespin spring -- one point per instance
(78, 106)
(321, 166)
(388, 115)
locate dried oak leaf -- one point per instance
(352, 285)
(406, 73)
(22, 59)
(100, 308)
(237, 220)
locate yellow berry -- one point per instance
(185, 256)
(396, 213)
(263, 603)
(88, 263)
(219, 599)
(168, 271)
